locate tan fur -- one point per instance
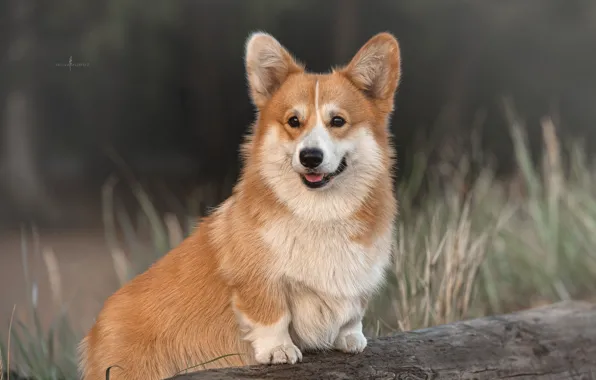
(277, 268)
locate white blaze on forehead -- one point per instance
(318, 136)
(317, 101)
(325, 110)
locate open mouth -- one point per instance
(316, 180)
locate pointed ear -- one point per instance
(376, 68)
(268, 64)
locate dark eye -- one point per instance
(337, 121)
(294, 122)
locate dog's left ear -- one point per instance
(268, 65)
(376, 68)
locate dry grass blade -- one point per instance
(14, 307)
(107, 195)
(185, 370)
(175, 233)
(49, 258)
(121, 265)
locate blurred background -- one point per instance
(120, 122)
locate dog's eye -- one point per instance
(294, 122)
(337, 121)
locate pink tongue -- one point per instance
(313, 177)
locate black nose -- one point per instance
(311, 157)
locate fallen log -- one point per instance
(552, 342)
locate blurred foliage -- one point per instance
(165, 84)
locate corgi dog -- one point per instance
(288, 262)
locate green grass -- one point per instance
(36, 352)
(473, 246)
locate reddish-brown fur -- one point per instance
(179, 312)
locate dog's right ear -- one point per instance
(376, 69)
(268, 64)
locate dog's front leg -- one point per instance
(350, 338)
(264, 318)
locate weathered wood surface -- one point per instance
(552, 342)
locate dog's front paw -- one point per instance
(351, 343)
(285, 353)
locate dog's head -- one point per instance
(321, 141)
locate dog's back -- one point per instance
(174, 316)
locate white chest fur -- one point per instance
(328, 273)
(323, 256)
